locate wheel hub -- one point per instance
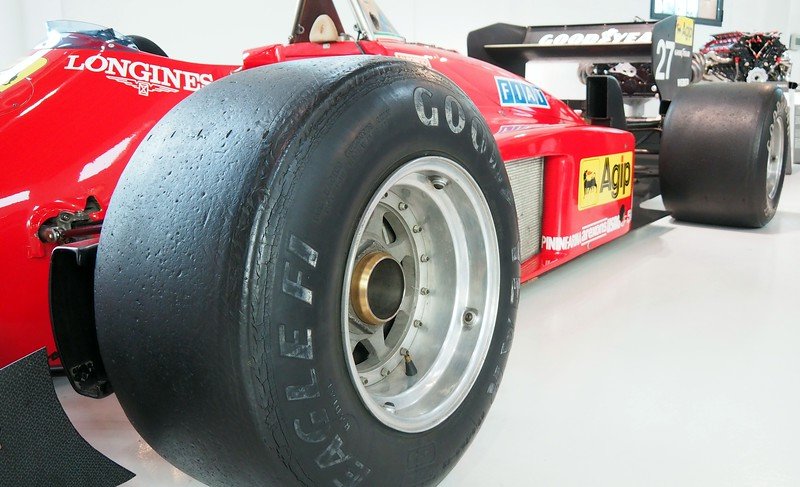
(377, 288)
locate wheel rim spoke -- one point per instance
(400, 250)
(375, 229)
(376, 344)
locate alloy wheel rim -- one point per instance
(431, 220)
(775, 153)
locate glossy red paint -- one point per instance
(563, 148)
(68, 130)
(65, 135)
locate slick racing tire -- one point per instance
(724, 153)
(308, 276)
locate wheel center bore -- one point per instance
(377, 288)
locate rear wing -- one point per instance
(667, 44)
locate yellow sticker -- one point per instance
(684, 31)
(605, 179)
(20, 71)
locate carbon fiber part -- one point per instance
(38, 444)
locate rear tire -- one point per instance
(224, 267)
(724, 153)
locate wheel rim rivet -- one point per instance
(364, 380)
(417, 324)
(416, 229)
(424, 291)
(384, 372)
(402, 206)
(469, 318)
(424, 258)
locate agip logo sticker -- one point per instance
(684, 31)
(518, 93)
(605, 179)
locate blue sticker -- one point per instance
(517, 93)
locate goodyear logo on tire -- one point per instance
(605, 179)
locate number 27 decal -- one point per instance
(664, 49)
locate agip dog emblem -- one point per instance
(605, 179)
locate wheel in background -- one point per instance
(724, 153)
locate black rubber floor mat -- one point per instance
(38, 444)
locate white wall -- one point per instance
(794, 28)
(218, 31)
(10, 31)
(203, 31)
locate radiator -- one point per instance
(527, 184)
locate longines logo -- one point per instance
(146, 78)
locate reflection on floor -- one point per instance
(669, 357)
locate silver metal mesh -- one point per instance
(527, 184)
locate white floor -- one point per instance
(668, 358)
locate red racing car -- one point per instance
(305, 269)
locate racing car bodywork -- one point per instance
(98, 99)
(112, 94)
(305, 269)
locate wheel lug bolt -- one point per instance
(402, 206)
(416, 229)
(384, 372)
(424, 291)
(424, 258)
(364, 380)
(417, 324)
(439, 182)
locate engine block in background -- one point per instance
(751, 57)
